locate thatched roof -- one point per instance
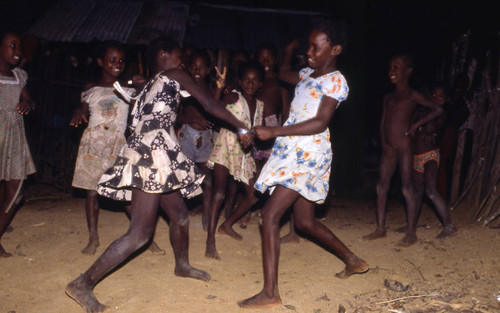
(196, 24)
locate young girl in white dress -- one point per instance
(298, 170)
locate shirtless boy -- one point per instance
(396, 128)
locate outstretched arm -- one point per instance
(213, 107)
(436, 111)
(311, 126)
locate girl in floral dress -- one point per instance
(230, 159)
(298, 171)
(15, 157)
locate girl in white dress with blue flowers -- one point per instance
(297, 173)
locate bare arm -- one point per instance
(220, 83)
(208, 103)
(382, 121)
(82, 113)
(286, 73)
(285, 105)
(436, 111)
(185, 118)
(312, 126)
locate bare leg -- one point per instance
(281, 199)
(406, 170)
(153, 246)
(9, 191)
(431, 173)
(303, 212)
(418, 183)
(207, 194)
(174, 206)
(221, 175)
(232, 196)
(142, 224)
(292, 236)
(92, 214)
(245, 205)
(386, 170)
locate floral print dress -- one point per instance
(302, 163)
(104, 136)
(152, 159)
(227, 150)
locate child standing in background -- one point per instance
(396, 129)
(230, 159)
(196, 135)
(106, 114)
(426, 162)
(15, 156)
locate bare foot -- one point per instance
(448, 231)
(375, 235)
(408, 240)
(290, 238)
(91, 247)
(245, 220)
(228, 230)
(211, 252)
(83, 294)
(191, 272)
(3, 253)
(155, 249)
(354, 266)
(260, 300)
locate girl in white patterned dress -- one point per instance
(106, 113)
(298, 171)
(15, 157)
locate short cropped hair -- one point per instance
(334, 29)
(245, 66)
(406, 57)
(164, 43)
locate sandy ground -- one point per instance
(458, 274)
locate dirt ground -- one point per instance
(458, 274)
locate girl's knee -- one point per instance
(431, 193)
(136, 240)
(408, 192)
(304, 225)
(382, 188)
(269, 217)
(219, 196)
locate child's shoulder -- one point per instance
(231, 97)
(21, 74)
(89, 86)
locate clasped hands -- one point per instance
(261, 132)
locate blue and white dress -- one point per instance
(303, 163)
